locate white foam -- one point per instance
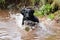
(42, 26)
(18, 18)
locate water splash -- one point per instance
(42, 30)
(18, 18)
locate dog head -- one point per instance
(27, 12)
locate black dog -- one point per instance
(28, 14)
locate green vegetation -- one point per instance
(44, 10)
(51, 16)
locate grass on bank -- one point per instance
(44, 11)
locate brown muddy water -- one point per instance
(9, 30)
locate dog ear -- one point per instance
(31, 12)
(22, 11)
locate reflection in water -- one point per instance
(10, 29)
